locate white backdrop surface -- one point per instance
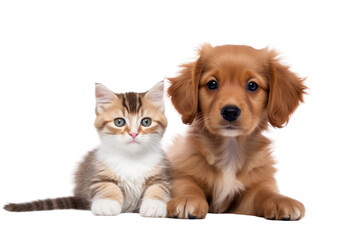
(52, 52)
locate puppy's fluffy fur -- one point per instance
(221, 166)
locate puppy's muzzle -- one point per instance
(230, 113)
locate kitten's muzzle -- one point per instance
(133, 135)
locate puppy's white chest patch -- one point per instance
(228, 184)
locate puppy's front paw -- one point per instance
(187, 207)
(105, 207)
(283, 208)
(153, 208)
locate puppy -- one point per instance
(223, 164)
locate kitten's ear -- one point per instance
(156, 95)
(104, 97)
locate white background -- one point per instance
(52, 52)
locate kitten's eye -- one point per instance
(252, 86)
(212, 85)
(119, 122)
(146, 122)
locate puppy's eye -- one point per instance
(252, 86)
(212, 85)
(119, 122)
(146, 122)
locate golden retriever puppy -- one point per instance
(223, 164)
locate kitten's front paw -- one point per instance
(105, 207)
(153, 208)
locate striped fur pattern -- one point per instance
(127, 172)
(49, 204)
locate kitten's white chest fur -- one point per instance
(131, 169)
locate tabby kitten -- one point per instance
(127, 172)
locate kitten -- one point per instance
(127, 172)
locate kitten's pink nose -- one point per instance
(133, 135)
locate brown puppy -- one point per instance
(224, 163)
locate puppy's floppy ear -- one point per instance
(184, 90)
(286, 91)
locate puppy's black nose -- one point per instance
(230, 113)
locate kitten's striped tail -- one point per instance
(49, 204)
